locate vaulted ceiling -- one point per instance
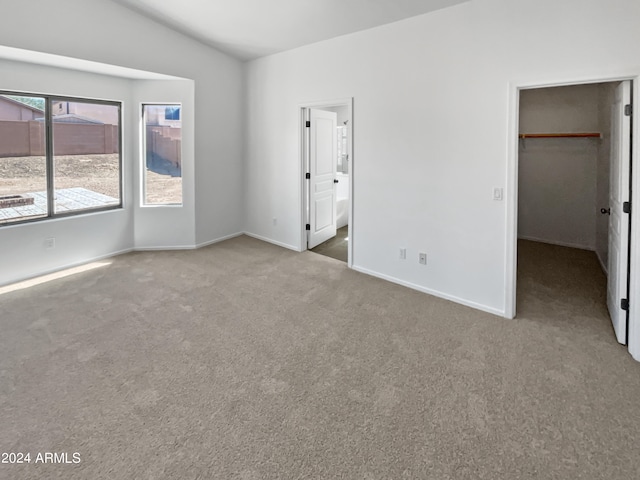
(249, 29)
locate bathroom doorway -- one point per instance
(327, 161)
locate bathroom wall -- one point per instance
(342, 188)
(342, 111)
(343, 185)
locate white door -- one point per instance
(619, 220)
(323, 160)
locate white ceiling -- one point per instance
(249, 29)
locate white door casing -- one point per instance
(618, 219)
(322, 169)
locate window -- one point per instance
(172, 113)
(58, 156)
(163, 154)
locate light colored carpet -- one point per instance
(243, 360)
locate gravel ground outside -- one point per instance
(99, 173)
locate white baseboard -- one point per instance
(164, 247)
(559, 243)
(274, 242)
(188, 247)
(435, 293)
(218, 240)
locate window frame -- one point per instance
(49, 157)
(143, 156)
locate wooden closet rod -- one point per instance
(560, 135)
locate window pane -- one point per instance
(23, 164)
(86, 155)
(163, 155)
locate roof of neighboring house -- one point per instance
(24, 105)
(73, 118)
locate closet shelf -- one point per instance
(561, 135)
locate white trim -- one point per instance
(303, 189)
(164, 247)
(559, 243)
(220, 239)
(336, 102)
(633, 333)
(274, 242)
(68, 266)
(512, 194)
(511, 221)
(342, 102)
(435, 293)
(188, 247)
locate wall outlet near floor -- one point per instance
(403, 254)
(497, 194)
(49, 243)
(422, 258)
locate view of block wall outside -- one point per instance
(163, 155)
(84, 168)
(86, 156)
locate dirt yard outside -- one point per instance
(99, 173)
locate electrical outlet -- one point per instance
(422, 258)
(497, 194)
(49, 243)
(403, 254)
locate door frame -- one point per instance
(304, 189)
(511, 240)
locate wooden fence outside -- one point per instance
(165, 143)
(24, 139)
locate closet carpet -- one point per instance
(243, 360)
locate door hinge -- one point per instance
(308, 124)
(624, 304)
(308, 226)
(626, 207)
(628, 110)
(307, 176)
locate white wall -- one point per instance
(432, 103)
(174, 224)
(80, 238)
(104, 31)
(558, 176)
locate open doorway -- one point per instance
(327, 163)
(573, 210)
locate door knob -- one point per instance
(605, 211)
(335, 180)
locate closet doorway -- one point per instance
(327, 166)
(573, 210)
